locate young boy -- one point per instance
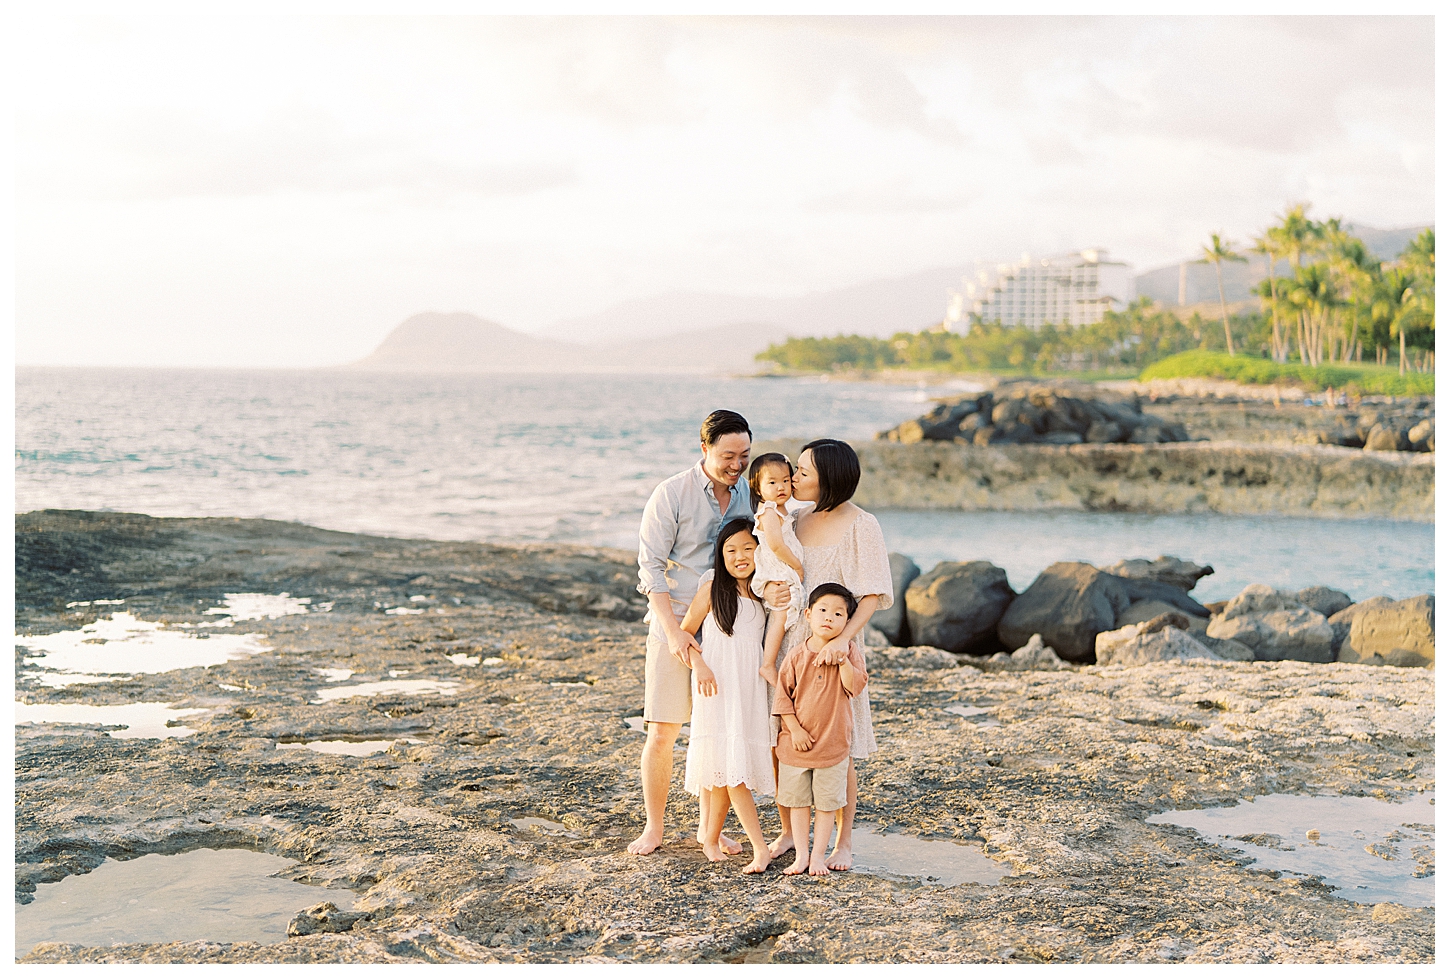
(814, 704)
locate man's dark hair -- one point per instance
(720, 422)
(724, 592)
(832, 588)
(837, 470)
(752, 476)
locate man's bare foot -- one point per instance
(799, 867)
(713, 853)
(841, 858)
(758, 865)
(649, 841)
(819, 869)
(783, 844)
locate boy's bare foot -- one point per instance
(841, 858)
(713, 853)
(758, 865)
(819, 869)
(799, 867)
(649, 841)
(783, 844)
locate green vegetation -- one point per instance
(1357, 378)
(1314, 326)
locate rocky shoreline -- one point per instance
(1323, 481)
(535, 658)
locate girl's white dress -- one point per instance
(769, 567)
(730, 738)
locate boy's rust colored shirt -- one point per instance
(821, 705)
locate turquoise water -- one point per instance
(572, 458)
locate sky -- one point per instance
(282, 191)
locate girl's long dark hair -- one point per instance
(724, 592)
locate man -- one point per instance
(676, 546)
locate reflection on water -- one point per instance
(242, 606)
(1368, 849)
(201, 895)
(542, 825)
(385, 686)
(136, 720)
(940, 862)
(979, 716)
(358, 749)
(123, 645)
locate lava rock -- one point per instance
(957, 605)
(1343, 620)
(1169, 570)
(1325, 601)
(1387, 438)
(1422, 436)
(891, 621)
(1134, 645)
(1395, 634)
(323, 918)
(911, 658)
(1275, 626)
(1068, 605)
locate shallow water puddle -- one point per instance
(463, 659)
(242, 606)
(211, 895)
(543, 825)
(940, 862)
(333, 676)
(123, 645)
(385, 686)
(136, 720)
(1368, 849)
(358, 749)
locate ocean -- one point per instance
(572, 458)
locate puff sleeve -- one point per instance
(865, 567)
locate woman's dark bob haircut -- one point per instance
(724, 590)
(720, 422)
(837, 470)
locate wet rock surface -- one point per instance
(432, 833)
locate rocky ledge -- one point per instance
(537, 670)
(1189, 477)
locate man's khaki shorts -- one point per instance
(799, 788)
(666, 681)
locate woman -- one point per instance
(842, 543)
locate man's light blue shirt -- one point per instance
(678, 530)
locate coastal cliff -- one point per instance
(1187, 477)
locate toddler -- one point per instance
(779, 556)
(813, 700)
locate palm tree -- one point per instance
(1220, 250)
(1312, 294)
(1297, 233)
(1267, 245)
(1417, 307)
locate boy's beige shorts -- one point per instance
(825, 788)
(666, 681)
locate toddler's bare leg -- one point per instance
(800, 827)
(744, 804)
(774, 636)
(719, 805)
(824, 821)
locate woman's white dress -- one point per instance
(769, 567)
(859, 561)
(730, 738)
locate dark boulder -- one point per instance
(956, 606)
(1068, 605)
(891, 621)
(1169, 570)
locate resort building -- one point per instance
(1065, 290)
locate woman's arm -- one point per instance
(699, 608)
(770, 524)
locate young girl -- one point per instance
(730, 738)
(779, 555)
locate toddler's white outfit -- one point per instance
(769, 567)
